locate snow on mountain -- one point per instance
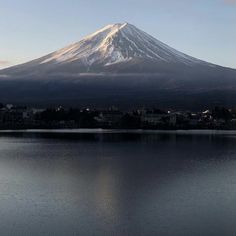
(118, 43)
(109, 49)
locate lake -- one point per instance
(95, 182)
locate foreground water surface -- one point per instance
(117, 183)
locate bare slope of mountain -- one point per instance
(120, 65)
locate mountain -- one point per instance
(115, 48)
(119, 64)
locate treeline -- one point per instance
(82, 118)
(21, 117)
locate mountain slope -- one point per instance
(115, 48)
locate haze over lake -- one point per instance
(125, 183)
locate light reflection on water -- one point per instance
(117, 183)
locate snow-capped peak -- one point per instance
(118, 43)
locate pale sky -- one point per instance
(205, 29)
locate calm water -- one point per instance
(117, 184)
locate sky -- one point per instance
(205, 29)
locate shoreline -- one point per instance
(120, 131)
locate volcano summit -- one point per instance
(115, 48)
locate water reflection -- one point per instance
(117, 184)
